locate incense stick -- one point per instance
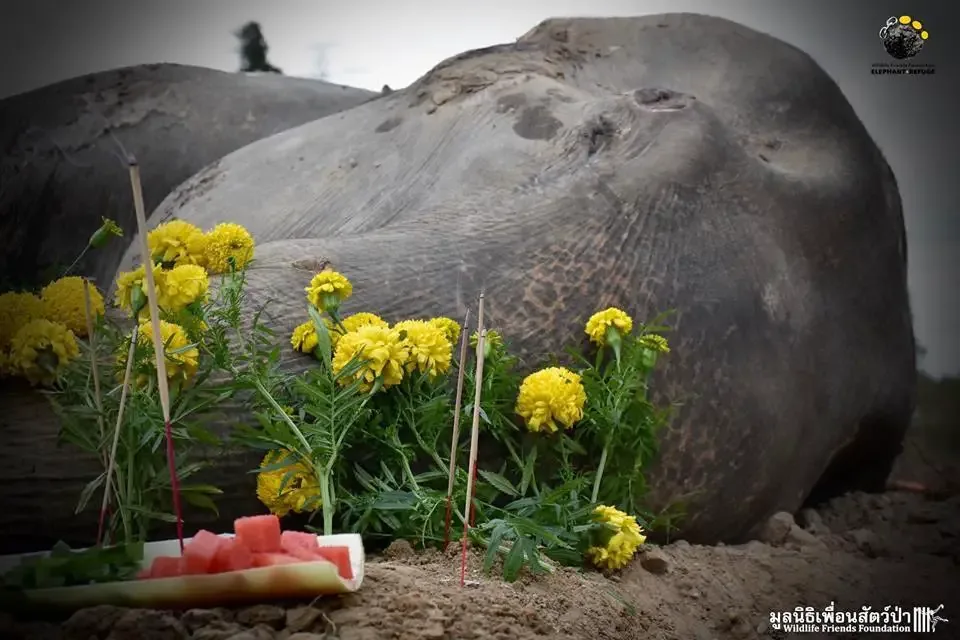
(158, 348)
(458, 403)
(474, 438)
(111, 465)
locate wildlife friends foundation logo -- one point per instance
(889, 619)
(903, 38)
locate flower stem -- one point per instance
(283, 414)
(596, 480)
(325, 503)
(79, 258)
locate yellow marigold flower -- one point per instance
(352, 323)
(429, 350)
(227, 240)
(328, 289)
(599, 322)
(182, 286)
(362, 319)
(300, 489)
(451, 328)
(383, 350)
(64, 302)
(42, 349)
(550, 396)
(622, 545)
(304, 337)
(655, 342)
(176, 242)
(130, 281)
(16, 310)
(181, 363)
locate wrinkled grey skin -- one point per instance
(175, 119)
(665, 162)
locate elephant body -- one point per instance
(664, 162)
(64, 145)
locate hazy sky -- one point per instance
(369, 43)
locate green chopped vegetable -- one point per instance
(65, 567)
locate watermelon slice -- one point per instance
(231, 555)
(260, 534)
(340, 557)
(167, 567)
(198, 554)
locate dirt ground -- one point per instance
(899, 548)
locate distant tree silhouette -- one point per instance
(253, 49)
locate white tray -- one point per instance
(290, 581)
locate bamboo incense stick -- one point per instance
(458, 403)
(158, 348)
(474, 438)
(111, 465)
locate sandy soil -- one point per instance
(897, 548)
(875, 550)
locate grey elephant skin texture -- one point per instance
(63, 165)
(663, 162)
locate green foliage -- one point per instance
(140, 485)
(382, 458)
(64, 567)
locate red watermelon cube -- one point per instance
(273, 559)
(167, 567)
(231, 555)
(300, 544)
(198, 554)
(260, 534)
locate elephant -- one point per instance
(65, 144)
(675, 161)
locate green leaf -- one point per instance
(499, 482)
(514, 561)
(201, 501)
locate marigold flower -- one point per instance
(130, 282)
(64, 302)
(328, 289)
(182, 286)
(225, 241)
(300, 489)
(176, 242)
(551, 396)
(451, 328)
(655, 342)
(383, 351)
(430, 351)
(622, 545)
(181, 363)
(16, 310)
(601, 321)
(304, 337)
(41, 350)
